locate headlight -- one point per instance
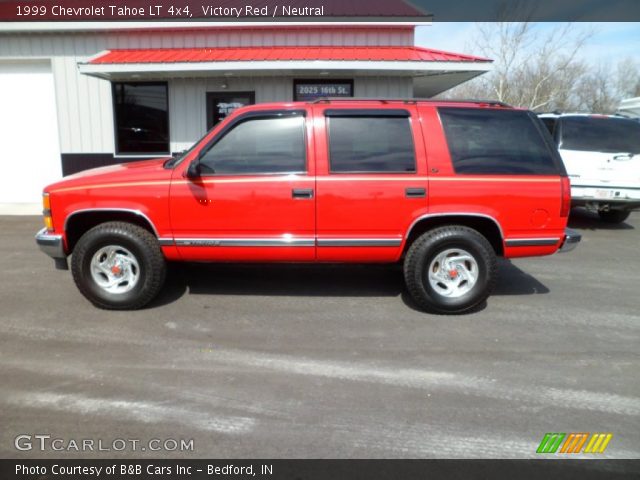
(46, 212)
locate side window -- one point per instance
(550, 123)
(259, 145)
(141, 117)
(484, 141)
(370, 144)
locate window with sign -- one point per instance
(309, 90)
(221, 104)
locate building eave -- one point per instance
(411, 69)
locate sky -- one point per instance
(610, 43)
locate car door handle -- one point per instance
(415, 192)
(302, 193)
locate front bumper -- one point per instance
(571, 240)
(53, 246)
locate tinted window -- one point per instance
(259, 145)
(483, 141)
(610, 135)
(141, 117)
(371, 144)
(550, 123)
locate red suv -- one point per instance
(444, 187)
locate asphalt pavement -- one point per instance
(324, 361)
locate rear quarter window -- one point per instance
(506, 142)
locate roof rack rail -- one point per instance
(408, 100)
(362, 99)
(475, 100)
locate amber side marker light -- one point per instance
(46, 212)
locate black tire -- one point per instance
(614, 216)
(434, 242)
(141, 244)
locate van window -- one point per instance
(489, 141)
(371, 144)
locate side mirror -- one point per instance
(193, 171)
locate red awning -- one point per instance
(270, 54)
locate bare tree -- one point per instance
(628, 78)
(535, 66)
(596, 92)
(540, 66)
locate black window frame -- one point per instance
(322, 81)
(117, 150)
(369, 113)
(260, 114)
(540, 127)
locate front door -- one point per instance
(255, 197)
(221, 104)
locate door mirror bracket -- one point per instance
(193, 171)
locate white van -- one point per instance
(601, 154)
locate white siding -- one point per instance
(84, 104)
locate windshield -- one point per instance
(607, 134)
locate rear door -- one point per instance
(371, 181)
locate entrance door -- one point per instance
(221, 104)
(29, 132)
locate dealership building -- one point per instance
(75, 96)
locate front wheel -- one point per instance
(614, 216)
(118, 266)
(450, 269)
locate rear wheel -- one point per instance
(118, 266)
(450, 269)
(614, 216)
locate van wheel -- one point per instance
(450, 269)
(614, 216)
(118, 266)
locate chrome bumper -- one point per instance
(571, 240)
(50, 244)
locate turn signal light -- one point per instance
(46, 211)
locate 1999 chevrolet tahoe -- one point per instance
(445, 187)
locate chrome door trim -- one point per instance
(246, 242)
(532, 242)
(359, 242)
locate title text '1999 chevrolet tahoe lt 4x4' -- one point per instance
(445, 187)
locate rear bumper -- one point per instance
(618, 197)
(571, 240)
(50, 244)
